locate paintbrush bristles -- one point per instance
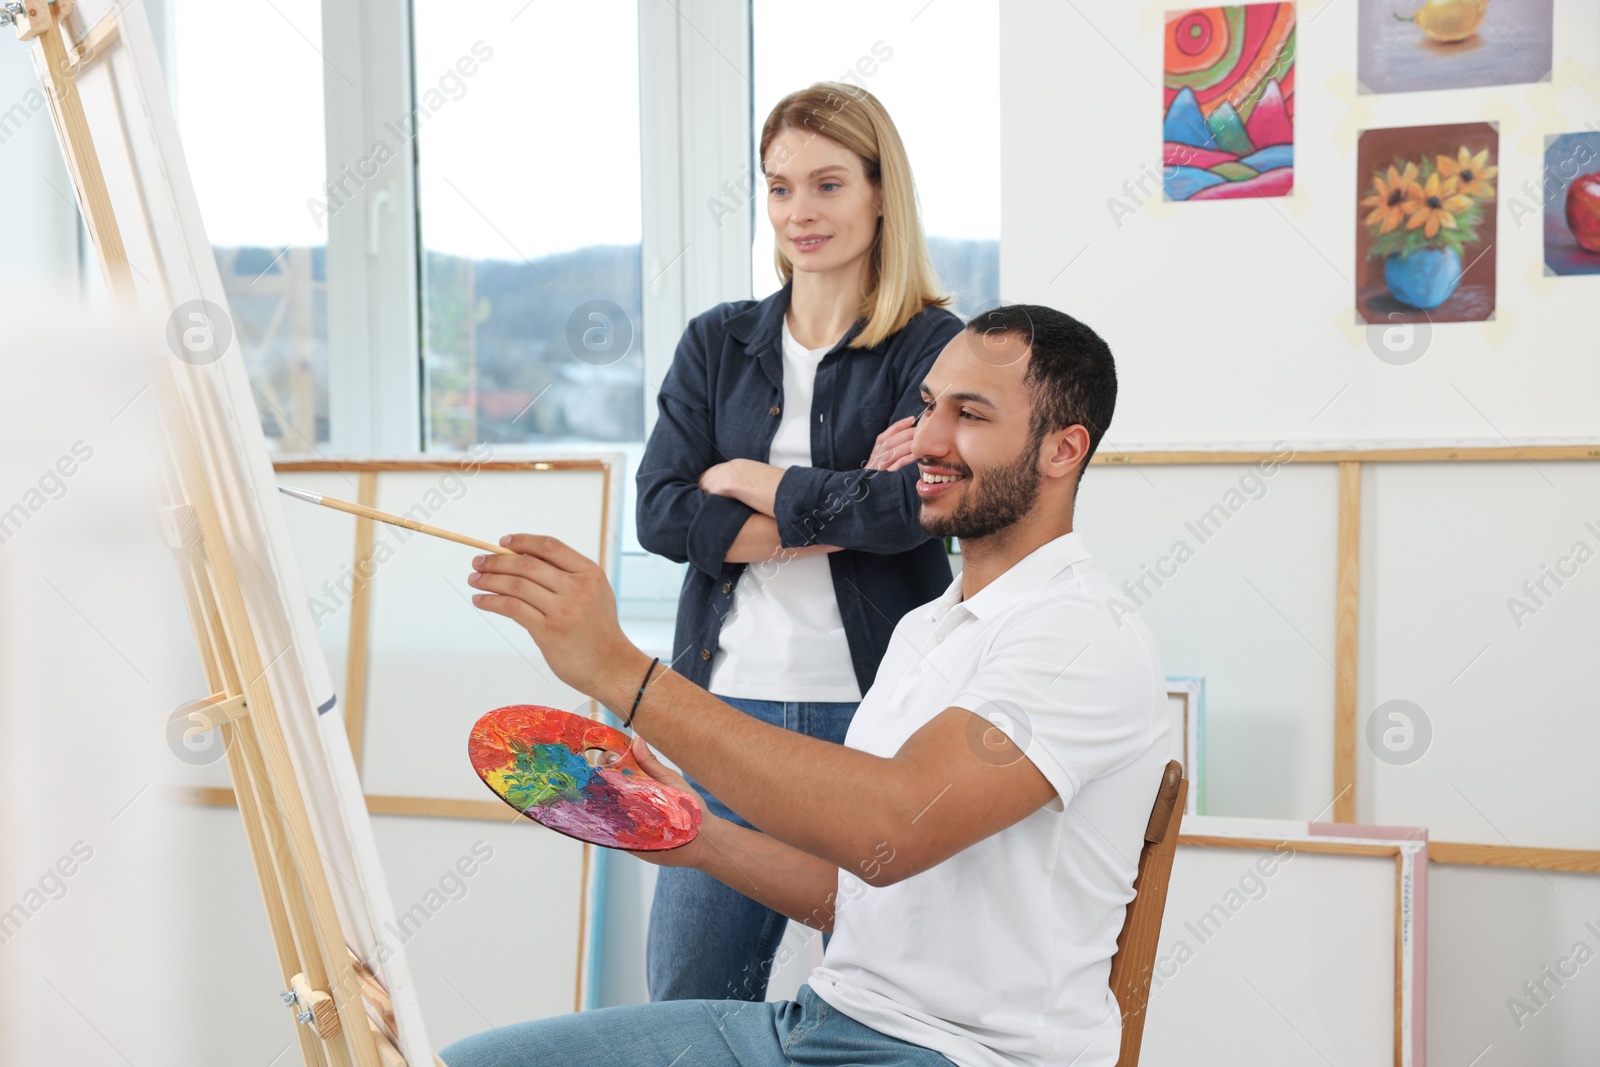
(301, 494)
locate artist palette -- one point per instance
(579, 778)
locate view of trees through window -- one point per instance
(514, 353)
(530, 215)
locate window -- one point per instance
(529, 211)
(247, 87)
(936, 68)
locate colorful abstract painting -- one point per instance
(1411, 45)
(1229, 100)
(1571, 195)
(1426, 223)
(537, 759)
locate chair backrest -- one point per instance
(1141, 928)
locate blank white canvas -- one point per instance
(1269, 571)
(436, 662)
(1510, 698)
(1300, 971)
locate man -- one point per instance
(973, 844)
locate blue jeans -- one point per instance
(711, 942)
(694, 1033)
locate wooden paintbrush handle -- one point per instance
(365, 512)
(422, 527)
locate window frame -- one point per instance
(694, 62)
(374, 356)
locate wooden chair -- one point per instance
(1141, 928)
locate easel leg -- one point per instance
(322, 951)
(277, 915)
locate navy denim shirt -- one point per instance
(722, 400)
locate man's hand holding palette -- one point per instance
(580, 778)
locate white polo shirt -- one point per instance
(1001, 955)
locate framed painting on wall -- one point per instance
(1425, 223)
(1228, 102)
(1571, 204)
(1453, 44)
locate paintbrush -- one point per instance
(394, 520)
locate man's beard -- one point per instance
(998, 499)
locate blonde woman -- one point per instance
(770, 472)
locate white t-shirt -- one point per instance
(1001, 955)
(783, 638)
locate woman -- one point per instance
(770, 472)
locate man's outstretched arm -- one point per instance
(936, 796)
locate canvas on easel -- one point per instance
(270, 694)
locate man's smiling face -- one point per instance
(977, 456)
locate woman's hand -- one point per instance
(717, 479)
(892, 450)
(688, 855)
(748, 481)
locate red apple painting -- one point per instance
(1571, 193)
(1583, 211)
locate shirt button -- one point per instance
(705, 653)
(938, 638)
(774, 410)
(727, 587)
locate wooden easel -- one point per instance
(322, 984)
(345, 1013)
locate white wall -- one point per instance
(1232, 322)
(89, 965)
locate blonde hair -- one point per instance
(900, 276)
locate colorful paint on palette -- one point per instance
(536, 760)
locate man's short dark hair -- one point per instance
(1071, 376)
